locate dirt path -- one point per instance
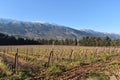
(113, 78)
(80, 71)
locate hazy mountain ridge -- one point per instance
(36, 30)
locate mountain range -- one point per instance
(43, 30)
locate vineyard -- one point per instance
(59, 63)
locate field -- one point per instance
(52, 62)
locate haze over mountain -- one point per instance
(43, 30)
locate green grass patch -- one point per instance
(97, 76)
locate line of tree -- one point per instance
(11, 40)
(99, 41)
(84, 41)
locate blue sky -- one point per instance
(99, 15)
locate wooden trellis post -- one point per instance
(71, 54)
(49, 59)
(16, 63)
(3, 52)
(27, 55)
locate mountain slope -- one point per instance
(36, 30)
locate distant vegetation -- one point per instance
(11, 40)
(84, 41)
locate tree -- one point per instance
(107, 41)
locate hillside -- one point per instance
(36, 30)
